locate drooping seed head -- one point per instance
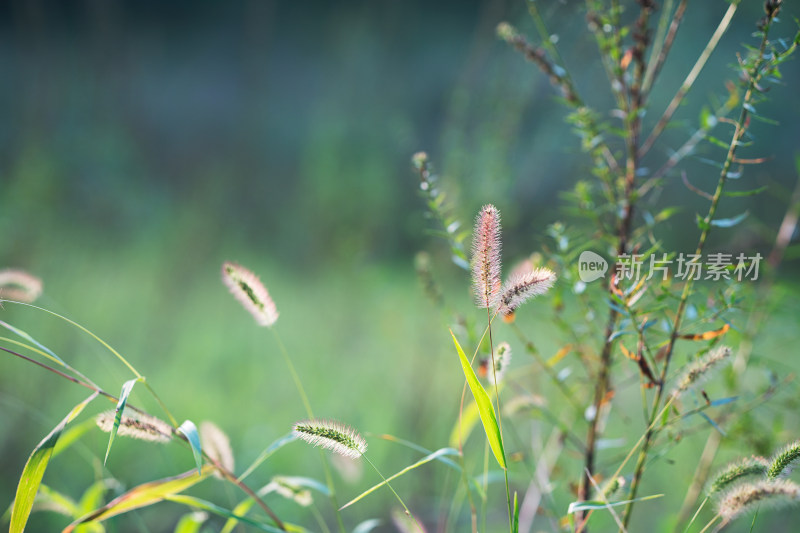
(699, 370)
(751, 466)
(217, 445)
(251, 293)
(486, 257)
(781, 463)
(137, 425)
(290, 488)
(332, 435)
(522, 286)
(19, 285)
(502, 358)
(749, 496)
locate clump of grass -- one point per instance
(138, 426)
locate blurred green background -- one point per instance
(144, 143)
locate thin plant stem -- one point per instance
(741, 127)
(399, 499)
(696, 514)
(304, 397)
(710, 523)
(489, 319)
(690, 79)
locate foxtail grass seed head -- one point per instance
(781, 463)
(332, 435)
(251, 293)
(521, 287)
(750, 496)
(502, 358)
(486, 257)
(288, 487)
(751, 466)
(698, 371)
(217, 445)
(138, 426)
(19, 285)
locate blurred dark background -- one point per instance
(143, 143)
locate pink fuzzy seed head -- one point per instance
(486, 257)
(251, 293)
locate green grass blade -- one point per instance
(426, 459)
(485, 407)
(197, 503)
(263, 456)
(515, 521)
(50, 354)
(34, 469)
(127, 387)
(594, 505)
(143, 495)
(189, 430)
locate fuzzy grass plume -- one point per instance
(749, 496)
(486, 257)
(251, 293)
(781, 462)
(332, 435)
(502, 358)
(138, 426)
(697, 371)
(217, 445)
(751, 466)
(19, 285)
(522, 286)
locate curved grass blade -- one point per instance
(189, 430)
(191, 522)
(426, 459)
(367, 525)
(127, 387)
(272, 448)
(197, 503)
(594, 505)
(485, 407)
(142, 496)
(50, 354)
(34, 470)
(69, 437)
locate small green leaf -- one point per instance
(367, 525)
(485, 407)
(515, 521)
(752, 192)
(701, 222)
(34, 469)
(191, 522)
(729, 222)
(594, 505)
(127, 387)
(189, 430)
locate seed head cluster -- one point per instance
(138, 426)
(251, 293)
(332, 435)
